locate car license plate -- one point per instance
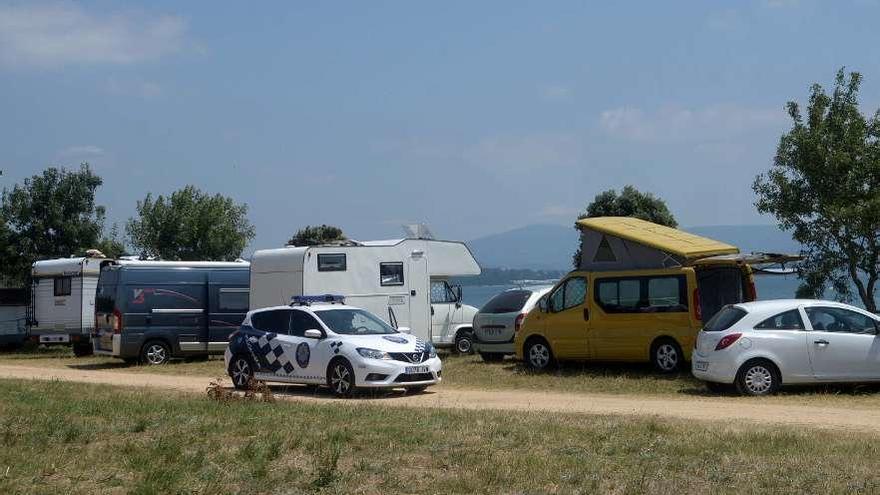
(51, 339)
(492, 331)
(701, 365)
(412, 370)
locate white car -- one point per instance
(759, 346)
(497, 322)
(319, 340)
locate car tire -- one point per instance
(416, 390)
(81, 349)
(758, 377)
(492, 357)
(464, 342)
(340, 378)
(241, 371)
(538, 355)
(155, 352)
(666, 355)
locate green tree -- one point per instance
(316, 235)
(824, 187)
(190, 225)
(50, 215)
(629, 203)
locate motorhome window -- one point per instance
(277, 321)
(62, 286)
(789, 320)
(300, 321)
(233, 301)
(354, 322)
(619, 295)
(144, 299)
(510, 301)
(331, 262)
(390, 274)
(667, 294)
(441, 293)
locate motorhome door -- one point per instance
(419, 309)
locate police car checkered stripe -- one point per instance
(269, 353)
(420, 345)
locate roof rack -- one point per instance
(324, 298)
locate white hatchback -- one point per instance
(329, 343)
(759, 346)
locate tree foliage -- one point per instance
(50, 215)
(317, 235)
(629, 203)
(824, 187)
(190, 225)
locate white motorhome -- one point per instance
(405, 281)
(64, 301)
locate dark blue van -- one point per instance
(152, 311)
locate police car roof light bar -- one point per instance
(324, 298)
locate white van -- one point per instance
(404, 281)
(63, 301)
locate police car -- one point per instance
(319, 340)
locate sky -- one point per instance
(473, 117)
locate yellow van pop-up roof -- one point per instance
(668, 239)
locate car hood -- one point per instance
(395, 342)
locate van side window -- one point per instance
(62, 286)
(390, 274)
(789, 320)
(277, 321)
(571, 294)
(145, 299)
(660, 294)
(331, 262)
(441, 293)
(231, 300)
(300, 321)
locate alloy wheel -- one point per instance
(341, 379)
(241, 372)
(156, 354)
(539, 356)
(667, 357)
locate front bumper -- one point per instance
(391, 374)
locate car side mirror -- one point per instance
(313, 334)
(404, 329)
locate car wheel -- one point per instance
(155, 353)
(464, 342)
(80, 349)
(492, 357)
(241, 372)
(340, 378)
(416, 390)
(538, 355)
(666, 356)
(758, 377)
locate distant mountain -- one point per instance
(549, 247)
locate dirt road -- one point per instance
(730, 410)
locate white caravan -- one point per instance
(64, 301)
(405, 281)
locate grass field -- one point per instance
(65, 438)
(471, 372)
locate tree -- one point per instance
(824, 187)
(629, 203)
(50, 215)
(316, 235)
(190, 225)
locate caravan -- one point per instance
(404, 281)
(63, 301)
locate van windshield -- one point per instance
(354, 322)
(724, 319)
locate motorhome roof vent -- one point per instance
(324, 298)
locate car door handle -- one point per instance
(821, 342)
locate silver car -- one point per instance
(497, 322)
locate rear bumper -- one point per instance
(495, 348)
(719, 371)
(59, 337)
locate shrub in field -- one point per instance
(256, 391)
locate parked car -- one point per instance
(321, 341)
(761, 346)
(641, 293)
(497, 322)
(153, 311)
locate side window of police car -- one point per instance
(300, 321)
(276, 320)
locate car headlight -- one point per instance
(372, 353)
(432, 352)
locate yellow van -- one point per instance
(641, 293)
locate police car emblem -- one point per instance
(303, 354)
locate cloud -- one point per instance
(555, 92)
(673, 123)
(82, 151)
(52, 35)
